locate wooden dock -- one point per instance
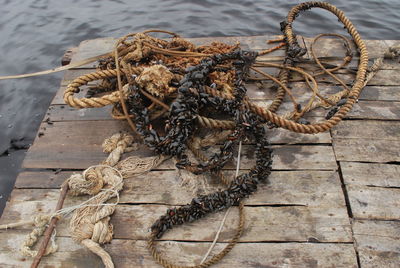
(333, 199)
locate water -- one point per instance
(35, 34)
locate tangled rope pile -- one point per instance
(170, 90)
(179, 86)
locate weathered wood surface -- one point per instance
(371, 174)
(309, 204)
(133, 253)
(301, 188)
(299, 218)
(300, 223)
(77, 144)
(372, 188)
(378, 243)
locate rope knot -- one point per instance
(117, 140)
(155, 79)
(90, 182)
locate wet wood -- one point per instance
(67, 57)
(326, 47)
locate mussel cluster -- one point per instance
(190, 101)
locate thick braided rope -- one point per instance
(268, 115)
(215, 259)
(95, 102)
(213, 123)
(354, 93)
(73, 88)
(359, 81)
(281, 92)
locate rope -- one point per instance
(164, 63)
(266, 114)
(90, 223)
(226, 213)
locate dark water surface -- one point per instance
(35, 34)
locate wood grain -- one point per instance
(378, 243)
(371, 174)
(128, 253)
(367, 129)
(367, 150)
(374, 202)
(303, 188)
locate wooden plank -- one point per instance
(371, 174)
(381, 78)
(326, 47)
(365, 129)
(288, 223)
(59, 113)
(94, 47)
(303, 188)
(331, 47)
(364, 109)
(41, 179)
(276, 136)
(380, 93)
(70, 75)
(81, 156)
(299, 90)
(310, 207)
(373, 110)
(91, 48)
(381, 110)
(77, 145)
(374, 202)
(367, 150)
(378, 243)
(265, 224)
(128, 253)
(59, 97)
(376, 110)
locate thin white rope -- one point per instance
(227, 211)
